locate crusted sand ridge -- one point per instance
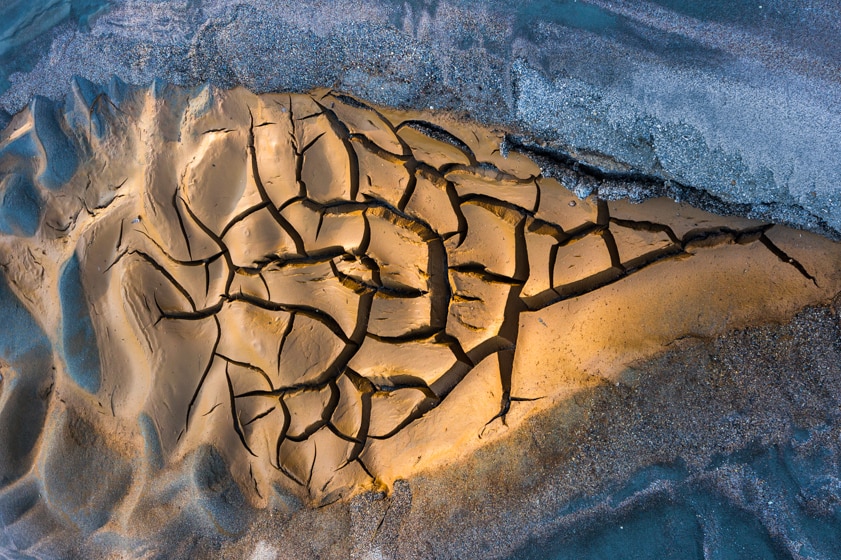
(335, 295)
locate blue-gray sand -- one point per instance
(738, 99)
(722, 449)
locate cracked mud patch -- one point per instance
(335, 296)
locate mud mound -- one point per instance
(308, 295)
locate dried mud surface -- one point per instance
(231, 309)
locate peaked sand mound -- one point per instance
(326, 295)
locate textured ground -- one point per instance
(726, 446)
(233, 307)
(740, 99)
(720, 448)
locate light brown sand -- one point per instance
(336, 296)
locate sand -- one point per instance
(736, 99)
(228, 305)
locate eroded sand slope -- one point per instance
(323, 296)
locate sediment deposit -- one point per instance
(315, 297)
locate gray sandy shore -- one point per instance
(737, 99)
